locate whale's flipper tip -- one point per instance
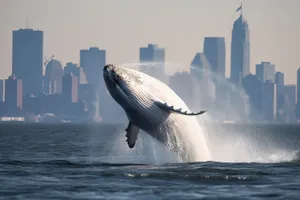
(131, 134)
(167, 108)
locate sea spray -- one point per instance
(207, 138)
(245, 145)
(146, 150)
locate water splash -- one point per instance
(227, 143)
(237, 145)
(223, 145)
(190, 136)
(146, 150)
(182, 140)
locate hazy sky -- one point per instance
(122, 26)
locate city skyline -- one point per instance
(60, 91)
(272, 37)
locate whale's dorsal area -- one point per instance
(167, 108)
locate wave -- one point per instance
(66, 163)
(200, 172)
(210, 166)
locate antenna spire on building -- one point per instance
(240, 8)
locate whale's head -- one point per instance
(122, 83)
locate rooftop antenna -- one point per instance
(240, 8)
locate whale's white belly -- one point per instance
(155, 108)
(184, 136)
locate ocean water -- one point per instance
(68, 161)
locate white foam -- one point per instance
(207, 141)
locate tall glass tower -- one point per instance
(215, 52)
(240, 50)
(27, 59)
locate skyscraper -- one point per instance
(27, 59)
(240, 50)
(76, 71)
(1, 90)
(152, 59)
(279, 78)
(268, 100)
(54, 73)
(265, 71)
(92, 61)
(298, 86)
(286, 110)
(13, 92)
(200, 66)
(70, 88)
(201, 69)
(179, 82)
(215, 52)
(253, 86)
(290, 92)
(87, 93)
(298, 94)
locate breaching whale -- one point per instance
(152, 106)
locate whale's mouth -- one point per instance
(111, 76)
(114, 80)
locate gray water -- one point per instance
(67, 161)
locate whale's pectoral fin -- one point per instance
(132, 134)
(167, 108)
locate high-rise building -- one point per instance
(279, 78)
(70, 88)
(54, 72)
(200, 66)
(87, 94)
(253, 85)
(152, 60)
(268, 100)
(298, 94)
(287, 104)
(76, 71)
(48, 87)
(215, 52)
(1, 90)
(13, 92)
(92, 61)
(27, 59)
(298, 85)
(182, 80)
(290, 92)
(240, 51)
(201, 69)
(265, 71)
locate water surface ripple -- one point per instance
(70, 162)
